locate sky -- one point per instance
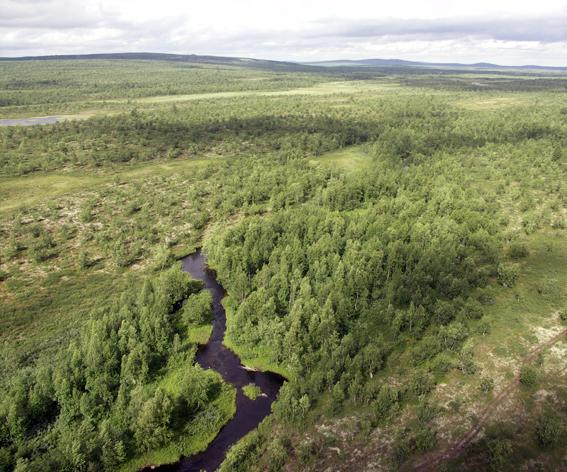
(507, 32)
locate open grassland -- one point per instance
(16, 192)
(347, 159)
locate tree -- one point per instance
(151, 428)
(197, 308)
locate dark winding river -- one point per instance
(214, 355)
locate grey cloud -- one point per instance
(48, 14)
(545, 29)
(30, 27)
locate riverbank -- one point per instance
(231, 422)
(198, 433)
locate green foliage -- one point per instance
(386, 401)
(162, 258)
(153, 418)
(40, 248)
(421, 438)
(239, 458)
(198, 308)
(557, 153)
(278, 453)
(518, 251)
(102, 390)
(486, 384)
(548, 429)
(528, 376)
(508, 274)
(83, 260)
(252, 391)
(499, 453)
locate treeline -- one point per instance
(398, 125)
(138, 137)
(102, 401)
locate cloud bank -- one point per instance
(439, 33)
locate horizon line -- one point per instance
(410, 62)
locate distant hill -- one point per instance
(338, 66)
(190, 58)
(403, 63)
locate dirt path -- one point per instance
(456, 448)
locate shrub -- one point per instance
(425, 438)
(451, 336)
(337, 398)
(559, 223)
(508, 275)
(531, 223)
(41, 249)
(86, 214)
(557, 153)
(425, 412)
(238, 456)
(306, 452)
(499, 452)
(486, 384)
(162, 258)
(442, 363)
(421, 382)
(518, 251)
(12, 248)
(83, 260)
(402, 447)
(483, 328)
(466, 362)
(133, 207)
(277, 455)
(472, 309)
(548, 430)
(386, 401)
(528, 376)
(6, 459)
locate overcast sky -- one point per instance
(510, 32)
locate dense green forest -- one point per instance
(394, 244)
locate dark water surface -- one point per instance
(42, 120)
(215, 356)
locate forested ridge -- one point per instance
(391, 249)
